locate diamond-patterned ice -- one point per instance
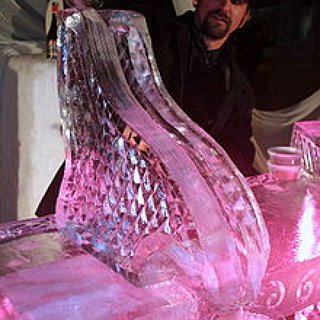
(145, 189)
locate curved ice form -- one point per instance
(145, 189)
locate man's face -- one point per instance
(218, 18)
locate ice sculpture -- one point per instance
(305, 136)
(145, 189)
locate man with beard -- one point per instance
(199, 70)
(195, 56)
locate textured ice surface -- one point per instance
(305, 136)
(145, 189)
(7, 311)
(78, 288)
(55, 279)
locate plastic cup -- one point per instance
(285, 162)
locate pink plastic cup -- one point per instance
(285, 162)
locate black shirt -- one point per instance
(209, 87)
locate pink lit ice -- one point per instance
(145, 189)
(7, 312)
(83, 288)
(308, 230)
(306, 137)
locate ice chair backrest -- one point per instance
(142, 181)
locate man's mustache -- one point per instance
(221, 14)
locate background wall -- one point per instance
(182, 5)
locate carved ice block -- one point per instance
(145, 189)
(306, 137)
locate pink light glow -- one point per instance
(7, 311)
(308, 245)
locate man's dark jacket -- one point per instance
(208, 86)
